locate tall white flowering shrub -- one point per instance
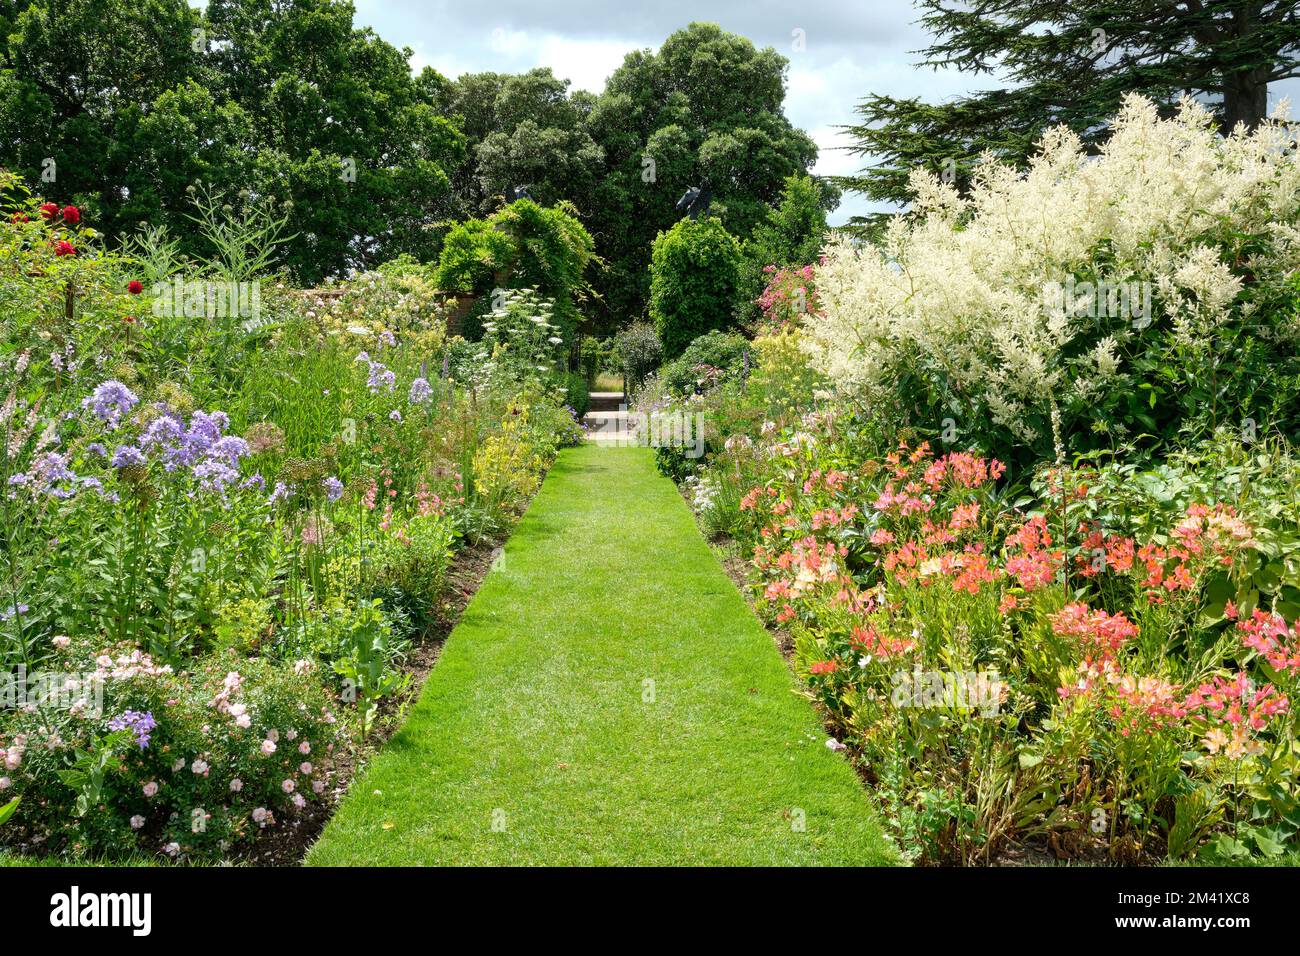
(1003, 303)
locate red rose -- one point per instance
(64, 248)
(49, 210)
(134, 287)
(71, 214)
(128, 319)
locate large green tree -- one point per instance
(705, 110)
(136, 100)
(1071, 63)
(522, 130)
(77, 78)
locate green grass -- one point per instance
(539, 715)
(608, 382)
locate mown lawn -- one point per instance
(608, 698)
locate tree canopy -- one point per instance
(1070, 63)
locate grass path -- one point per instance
(538, 740)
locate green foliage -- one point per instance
(551, 253)
(474, 254)
(524, 130)
(522, 246)
(706, 109)
(234, 95)
(639, 350)
(695, 271)
(707, 362)
(1064, 63)
(791, 234)
(577, 395)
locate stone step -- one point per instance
(605, 401)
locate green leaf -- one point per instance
(9, 809)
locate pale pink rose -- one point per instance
(286, 786)
(62, 641)
(5, 783)
(171, 849)
(243, 721)
(304, 748)
(305, 767)
(273, 736)
(260, 815)
(137, 822)
(291, 734)
(298, 801)
(150, 789)
(268, 747)
(179, 764)
(236, 785)
(318, 786)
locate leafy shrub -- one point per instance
(1084, 302)
(577, 396)
(788, 297)
(552, 251)
(694, 274)
(639, 351)
(705, 363)
(188, 765)
(474, 254)
(522, 246)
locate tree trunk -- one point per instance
(1245, 98)
(1245, 91)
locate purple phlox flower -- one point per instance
(138, 723)
(127, 455)
(386, 338)
(53, 467)
(96, 449)
(420, 392)
(395, 415)
(110, 401)
(13, 609)
(163, 431)
(333, 488)
(214, 474)
(380, 377)
(254, 480)
(19, 479)
(229, 448)
(280, 492)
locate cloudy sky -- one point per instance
(849, 48)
